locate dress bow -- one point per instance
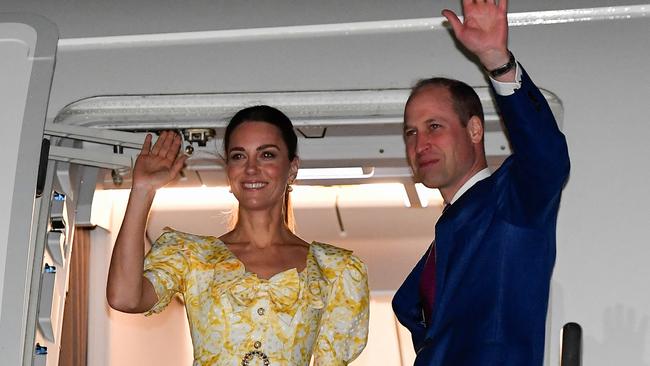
(283, 290)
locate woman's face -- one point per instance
(258, 165)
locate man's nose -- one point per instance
(421, 143)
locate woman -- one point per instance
(257, 295)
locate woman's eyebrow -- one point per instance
(266, 146)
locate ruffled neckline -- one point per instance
(284, 288)
(230, 255)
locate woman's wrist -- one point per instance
(143, 192)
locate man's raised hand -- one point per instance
(483, 31)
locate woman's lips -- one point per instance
(254, 185)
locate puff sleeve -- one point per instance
(344, 326)
(165, 267)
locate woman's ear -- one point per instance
(293, 169)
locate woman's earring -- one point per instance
(289, 188)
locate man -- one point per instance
(479, 295)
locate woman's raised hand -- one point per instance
(158, 165)
(126, 289)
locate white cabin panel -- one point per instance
(27, 50)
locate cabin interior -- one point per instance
(93, 77)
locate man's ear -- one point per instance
(475, 129)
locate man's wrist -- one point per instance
(503, 68)
(493, 58)
(505, 88)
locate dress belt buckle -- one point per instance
(249, 356)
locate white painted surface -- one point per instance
(100, 18)
(601, 276)
(17, 43)
(27, 48)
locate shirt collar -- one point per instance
(479, 176)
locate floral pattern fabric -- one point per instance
(320, 311)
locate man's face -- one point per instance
(441, 152)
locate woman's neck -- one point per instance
(259, 228)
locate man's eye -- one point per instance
(409, 133)
(434, 126)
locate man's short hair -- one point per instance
(466, 101)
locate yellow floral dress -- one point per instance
(239, 319)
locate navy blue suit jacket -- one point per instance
(495, 251)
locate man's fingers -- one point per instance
(456, 24)
(503, 5)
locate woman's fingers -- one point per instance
(178, 165)
(158, 145)
(162, 144)
(175, 145)
(159, 164)
(146, 145)
(167, 143)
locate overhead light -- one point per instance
(174, 198)
(428, 195)
(334, 173)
